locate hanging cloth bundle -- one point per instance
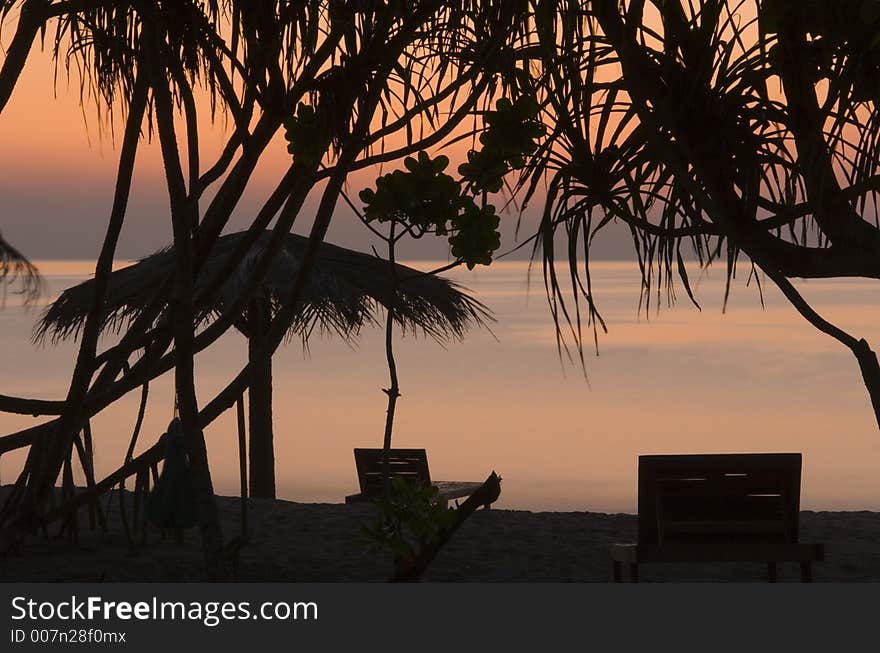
(172, 502)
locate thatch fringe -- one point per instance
(15, 267)
(345, 291)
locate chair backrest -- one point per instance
(719, 498)
(411, 464)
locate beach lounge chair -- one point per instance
(411, 464)
(718, 508)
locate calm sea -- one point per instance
(678, 381)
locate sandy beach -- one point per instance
(301, 542)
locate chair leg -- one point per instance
(771, 572)
(617, 571)
(807, 571)
(634, 572)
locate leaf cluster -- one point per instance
(511, 134)
(423, 196)
(476, 234)
(409, 519)
(306, 136)
(427, 200)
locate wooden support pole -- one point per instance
(242, 466)
(261, 444)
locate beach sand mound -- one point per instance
(299, 542)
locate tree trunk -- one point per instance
(30, 20)
(393, 390)
(870, 374)
(48, 452)
(182, 310)
(262, 453)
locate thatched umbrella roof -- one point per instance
(14, 266)
(345, 289)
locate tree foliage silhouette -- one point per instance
(369, 71)
(715, 130)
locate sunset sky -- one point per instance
(57, 170)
